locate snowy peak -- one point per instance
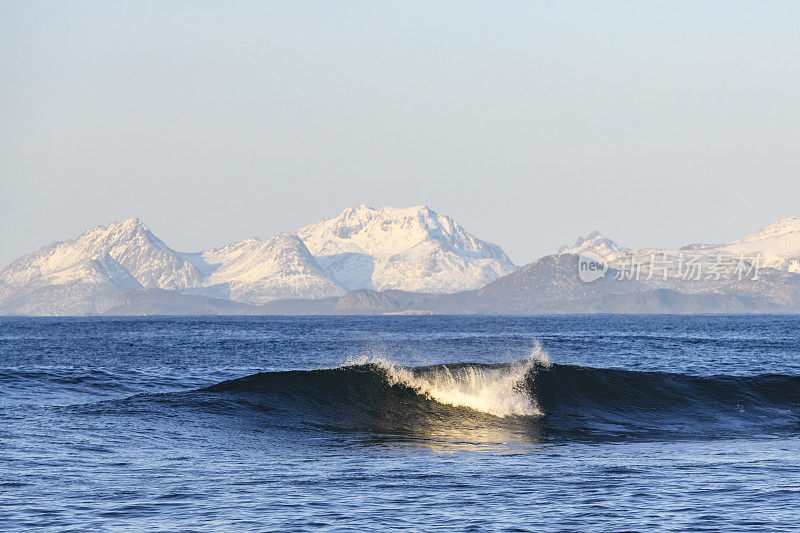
(363, 229)
(785, 229)
(391, 230)
(103, 269)
(415, 249)
(778, 244)
(256, 259)
(145, 256)
(594, 242)
(129, 243)
(126, 228)
(257, 271)
(127, 232)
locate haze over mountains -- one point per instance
(385, 260)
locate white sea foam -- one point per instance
(496, 390)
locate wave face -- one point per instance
(530, 400)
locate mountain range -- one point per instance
(777, 245)
(414, 249)
(385, 260)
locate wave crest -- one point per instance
(499, 390)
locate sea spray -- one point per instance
(499, 390)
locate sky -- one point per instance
(530, 123)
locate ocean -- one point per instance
(466, 423)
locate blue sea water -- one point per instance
(414, 423)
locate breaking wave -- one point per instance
(527, 400)
(498, 390)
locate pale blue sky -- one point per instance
(657, 123)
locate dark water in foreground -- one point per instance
(636, 423)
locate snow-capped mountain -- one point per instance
(410, 249)
(130, 243)
(414, 249)
(257, 271)
(85, 275)
(124, 266)
(776, 245)
(594, 242)
(85, 287)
